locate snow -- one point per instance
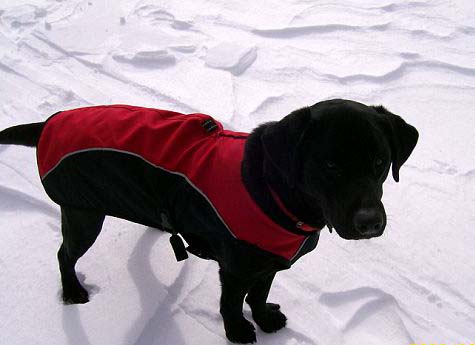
(246, 62)
(231, 56)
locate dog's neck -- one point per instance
(259, 173)
(298, 203)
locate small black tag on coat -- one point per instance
(209, 125)
(178, 247)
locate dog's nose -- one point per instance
(368, 221)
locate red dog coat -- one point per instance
(131, 162)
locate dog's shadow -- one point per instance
(154, 326)
(158, 326)
(72, 326)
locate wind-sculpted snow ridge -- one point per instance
(155, 15)
(378, 310)
(246, 63)
(403, 69)
(146, 59)
(231, 56)
(290, 32)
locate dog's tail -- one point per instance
(26, 135)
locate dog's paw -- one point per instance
(273, 306)
(272, 319)
(241, 332)
(75, 296)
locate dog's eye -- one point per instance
(379, 164)
(330, 164)
(332, 169)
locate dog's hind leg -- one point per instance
(80, 228)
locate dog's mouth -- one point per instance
(349, 231)
(352, 234)
(367, 237)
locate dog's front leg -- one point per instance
(266, 315)
(233, 290)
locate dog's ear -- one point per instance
(281, 141)
(402, 138)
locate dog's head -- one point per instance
(340, 152)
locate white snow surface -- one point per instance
(245, 63)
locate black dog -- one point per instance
(320, 165)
